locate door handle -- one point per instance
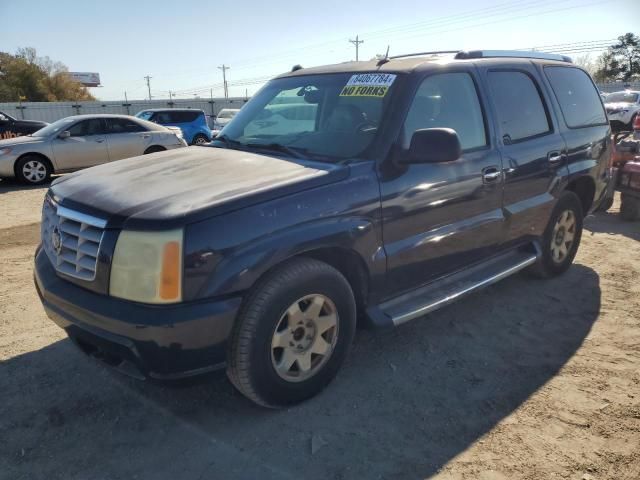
(491, 174)
(555, 157)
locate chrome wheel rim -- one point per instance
(562, 238)
(34, 171)
(304, 338)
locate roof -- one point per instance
(169, 109)
(409, 63)
(100, 115)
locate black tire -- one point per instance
(40, 167)
(200, 139)
(547, 266)
(629, 207)
(154, 149)
(250, 365)
(606, 204)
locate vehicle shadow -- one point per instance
(13, 185)
(406, 402)
(612, 223)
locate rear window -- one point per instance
(622, 97)
(123, 125)
(577, 96)
(521, 112)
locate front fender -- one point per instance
(237, 271)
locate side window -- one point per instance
(448, 100)
(123, 125)
(577, 96)
(183, 117)
(87, 127)
(519, 106)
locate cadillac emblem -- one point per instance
(56, 240)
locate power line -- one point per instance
(357, 43)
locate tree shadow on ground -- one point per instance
(405, 403)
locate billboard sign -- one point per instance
(88, 79)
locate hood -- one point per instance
(176, 187)
(31, 123)
(20, 140)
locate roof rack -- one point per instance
(513, 54)
(437, 52)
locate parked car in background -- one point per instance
(419, 180)
(11, 127)
(224, 116)
(192, 122)
(622, 108)
(82, 141)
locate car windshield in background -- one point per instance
(144, 115)
(622, 97)
(226, 114)
(55, 127)
(324, 117)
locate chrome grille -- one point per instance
(71, 239)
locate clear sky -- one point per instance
(181, 43)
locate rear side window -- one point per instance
(448, 100)
(519, 106)
(183, 117)
(123, 125)
(578, 98)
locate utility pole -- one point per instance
(357, 43)
(148, 79)
(224, 69)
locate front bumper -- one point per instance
(154, 341)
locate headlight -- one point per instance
(147, 267)
(5, 151)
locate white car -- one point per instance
(82, 141)
(622, 107)
(224, 116)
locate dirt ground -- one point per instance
(527, 379)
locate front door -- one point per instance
(85, 147)
(440, 217)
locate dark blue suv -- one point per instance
(193, 123)
(382, 190)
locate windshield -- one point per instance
(333, 116)
(144, 115)
(55, 127)
(625, 97)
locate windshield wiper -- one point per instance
(278, 147)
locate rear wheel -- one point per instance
(200, 139)
(33, 170)
(293, 333)
(561, 237)
(629, 207)
(154, 149)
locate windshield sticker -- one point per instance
(368, 85)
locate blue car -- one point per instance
(193, 123)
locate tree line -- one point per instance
(620, 62)
(27, 77)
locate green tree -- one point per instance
(37, 79)
(621, 61)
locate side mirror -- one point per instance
(434, 145)
(64, 134)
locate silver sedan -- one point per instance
(82, 141)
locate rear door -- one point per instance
(85, 147)
(440, 217)
(534, 154)
(126, 138)
(583, 124)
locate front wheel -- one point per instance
(33, 170)
(293, 333)
(561, 237)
